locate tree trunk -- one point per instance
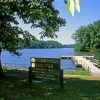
(1, 69)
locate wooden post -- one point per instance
(61, 79)
(30, 75)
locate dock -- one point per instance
(70, 57)
(84, 62)
(66, 57)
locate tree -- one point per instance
(44, 44)
(88, 37)
(38, 13)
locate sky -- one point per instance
(89, 12)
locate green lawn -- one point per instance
(75, 88)
(79, 72)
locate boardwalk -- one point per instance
(70, 57)
(87, 64)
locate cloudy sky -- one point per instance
(90, 11)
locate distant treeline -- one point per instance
(41, 44)
(87, 38)
(69, 45)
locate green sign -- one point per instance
(45, 69)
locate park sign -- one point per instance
(45, 69)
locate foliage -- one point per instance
(41, 44)
(69, 45)
(88, 37)
(38, 13)
(71, 5)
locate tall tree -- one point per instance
(88, 37)
(38, 13)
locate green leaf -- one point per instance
(72, 7)
(77, 5)
(68, 6)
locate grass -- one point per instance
(79, 72)
(75, 88)
(5, 68)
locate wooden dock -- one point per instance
(70, 57)
(86, 64)
(66, 57)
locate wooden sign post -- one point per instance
(46, 69)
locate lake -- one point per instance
(24, 59)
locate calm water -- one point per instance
(42, 53)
